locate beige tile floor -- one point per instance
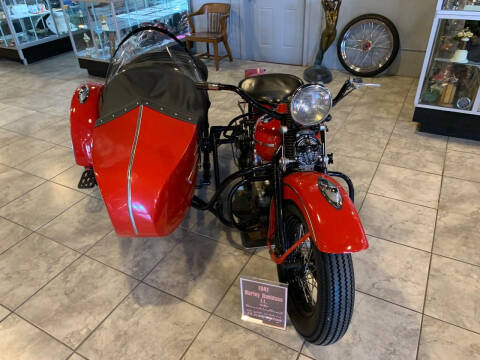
(69, 288)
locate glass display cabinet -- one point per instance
(448, 96)
(97, 26)
(32, 29)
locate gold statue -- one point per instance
(331, 8)
(317, 72)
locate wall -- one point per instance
(237, 39)
(413, 19)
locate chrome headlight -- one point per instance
(311, 104)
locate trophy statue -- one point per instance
(318, 72)
(111, 43)
(105, 31)
(88, 50)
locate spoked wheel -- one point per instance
(368, 45)
(321, 292)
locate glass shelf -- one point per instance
(461, 5)
(29, 22)
(97, 26)
(469, 63)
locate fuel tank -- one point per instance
(267, 135)
(267, 138)
(146, 166)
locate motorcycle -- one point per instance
(144, 136)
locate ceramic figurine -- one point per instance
(447, 47)
(452, 5)
(105, 27)
(87, 39)
(461, 53)
(111, 43)
(433, 93)
(81, 20)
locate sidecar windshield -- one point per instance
(152, 67)
(155, 46)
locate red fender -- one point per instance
(82, 121)
(334, 231)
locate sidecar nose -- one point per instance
(146, 165)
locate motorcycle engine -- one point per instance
(308, 150)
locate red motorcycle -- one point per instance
(144, 135)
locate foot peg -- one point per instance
(87, 181)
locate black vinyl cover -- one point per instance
(161, 83)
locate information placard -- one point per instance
(264, 302)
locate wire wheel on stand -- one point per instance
(368, 45)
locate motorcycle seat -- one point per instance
(271, 89)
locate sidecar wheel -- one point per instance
(320, 295)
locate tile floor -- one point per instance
(69, 288)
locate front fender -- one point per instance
(82, 121)
(335, 231)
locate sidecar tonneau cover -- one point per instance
(156, 80)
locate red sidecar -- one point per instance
(145, 124)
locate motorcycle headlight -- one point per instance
(311, 104)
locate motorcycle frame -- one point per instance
(211, 140)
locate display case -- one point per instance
(97, 26)
(32, 29)
(448, 96)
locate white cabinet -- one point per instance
(448, 96)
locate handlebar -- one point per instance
(358, 83)
(349, 85)
(243, 95)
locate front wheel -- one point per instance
(321, 291)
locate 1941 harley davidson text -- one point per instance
(144, 137)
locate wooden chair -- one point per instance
(217, 15)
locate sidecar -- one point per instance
(138, 134)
